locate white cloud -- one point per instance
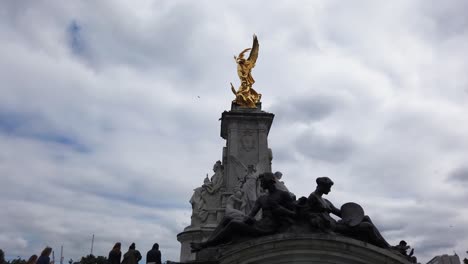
(111, 137)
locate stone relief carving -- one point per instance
(250, 189)
(204, 198)
(281, 213)
(278, 211)
(198, 201)
(247, 182)
(248, 141)
(233, 211)
(216, 181)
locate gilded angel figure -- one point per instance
(246, 96)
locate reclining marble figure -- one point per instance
(280, 213)
(353, 223)
(277, 214)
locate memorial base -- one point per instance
(192, 235)
(303, 249)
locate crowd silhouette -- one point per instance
(132, 256)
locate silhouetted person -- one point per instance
(44, 258)
(2, 257)
(32, 260)
(115, 254)
(132, 256)
(154, 255)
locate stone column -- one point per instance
(246, 133)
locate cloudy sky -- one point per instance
(109, 114)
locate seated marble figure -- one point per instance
(277, 214)
(353, 223)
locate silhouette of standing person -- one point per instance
(154, 255)
(32, 260)
(2, 257)
(44, 258)
(132, 256)
(115, 254)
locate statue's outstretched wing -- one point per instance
(254, 52)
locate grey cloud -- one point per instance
(429, 246)
(325, 147)
(448, 18)
(285, 154)
(459, 175)
(163, 43)
(36, 126)
(395, 225)
(305, 109)
(75, 38)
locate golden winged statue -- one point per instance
(246, 96)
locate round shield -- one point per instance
(352, 214)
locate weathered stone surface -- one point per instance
(245, 131)
(192, 235)
(306, 248)
(207, 199)
(277, 216)
(245, 156)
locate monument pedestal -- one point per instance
(192, 235)
(246, 133)
(236, 191)
(306, 249)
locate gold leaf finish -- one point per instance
(246, 96)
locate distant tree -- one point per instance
(465, 260)
(91, 259)
(17, 261)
